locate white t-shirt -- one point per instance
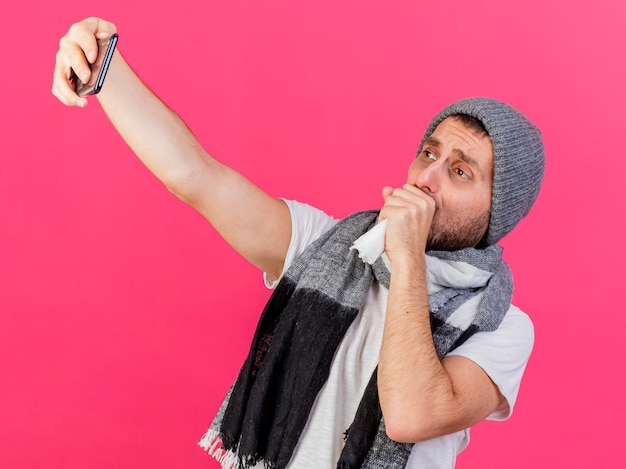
(503, 355)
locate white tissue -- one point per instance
(371, 244)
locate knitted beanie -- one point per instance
(519, 160)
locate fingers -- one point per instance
(407, 195)
(62, 84)
(407, 205)
(387, 191)
(77, 49)
(409, 211)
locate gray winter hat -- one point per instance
(519, 160)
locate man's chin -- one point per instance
(466, 236)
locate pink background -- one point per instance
(124, 318)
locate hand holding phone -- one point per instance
(99, 68)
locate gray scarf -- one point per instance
(303, 323)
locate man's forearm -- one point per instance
(415, 388)
(154, 132)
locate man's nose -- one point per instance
(430, 177)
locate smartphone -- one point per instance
(99, 68)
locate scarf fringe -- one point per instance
(212, 444)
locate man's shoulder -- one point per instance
(309, 220)
(518, 318)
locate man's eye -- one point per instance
(461, 173)
(430, 155)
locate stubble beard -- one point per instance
(457, 233)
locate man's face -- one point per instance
(455, 167)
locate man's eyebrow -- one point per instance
(434, 142)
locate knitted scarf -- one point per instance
(302, 325)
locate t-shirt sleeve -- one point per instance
(307, 224)
(503, 354)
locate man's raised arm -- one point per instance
(257, 225)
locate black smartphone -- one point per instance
(99, 68)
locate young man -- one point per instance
(357, 365)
